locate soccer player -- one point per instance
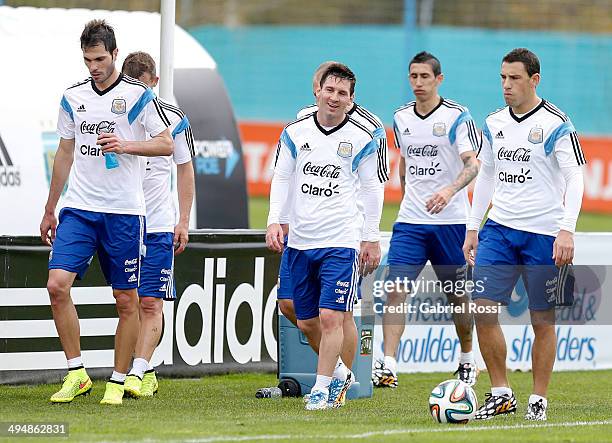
(157, 271)
(532, 171)
(438, 141)
(328, 152)
(312, 329)
(102, 120)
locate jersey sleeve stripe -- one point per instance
(369, 149)
(473, 134)
(190, 141)
(383, 171)
(144, 99)
(182, 126)
(66, 106)
(580, 159)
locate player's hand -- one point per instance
(285, 227)
(563, 248)
(48, 225)
(439, 200)
(469, 247)
(369, 257)
(274, 238)
(111, 143)
(181, 237)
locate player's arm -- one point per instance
(402, 162)
(284, 169)
(158, 145)
(570, 157)
(483, 193)
(372, 194)
(61, 169)
(184, 151)
(464, 136)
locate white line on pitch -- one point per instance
(442, 429)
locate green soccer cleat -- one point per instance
(149, 384)
(113, 394)
(132, 387)
(76, 383)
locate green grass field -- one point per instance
(224, 408)
(258, 214)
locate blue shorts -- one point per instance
(157, 271)
(505, 254)
(118, 239)
(412, 245)
(283, 290)
(323, 278)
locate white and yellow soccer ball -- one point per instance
(453, 401)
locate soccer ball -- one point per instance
(453, 401)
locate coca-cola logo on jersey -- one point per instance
(422, 151)
(97, 128)
(326, 171)
(514, 155)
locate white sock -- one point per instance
(139, 367)
(391, 363)
(76, 362)
(501, 391)
(322, 384)
(341, 371)
(150, 367)
(118, 377)
(533, 398)
(466, 357)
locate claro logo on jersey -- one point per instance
(419, 171)
(9, 173)
(521, 177)
(514, 155)
(422, 151)
(97, 128)
(320, 191)
(327, 171)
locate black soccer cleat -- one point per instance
(496, 405)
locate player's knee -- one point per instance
(151, 306)
(127, 303)
(309, 326)
(59, 291)
(286, 307)
(330, 320)
(396, 298)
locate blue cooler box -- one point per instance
(297, 362)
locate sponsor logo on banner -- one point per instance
(229, 338)
(211, 154)
(9, 172)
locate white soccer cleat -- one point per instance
(536, 411)
(317, 400)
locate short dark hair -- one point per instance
(430, 59)
(137, 63)
(340, 71)
(98, 32)
(526, 57)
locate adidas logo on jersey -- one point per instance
(406, 132)
(81, 108)
(500, 134)
(305, 147)
(132, 279)
(164, 288)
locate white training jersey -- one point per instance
(327, 165)
(374, 125)
(127, 108)
(431, 146)
(161, 211)
(528, 152)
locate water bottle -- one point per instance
(273, 392)
(111, 160)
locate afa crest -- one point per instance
(345, 149)
(439, 129)
(536, 135)
(118, 106)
